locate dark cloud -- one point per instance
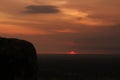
(41, 9)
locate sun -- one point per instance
(72, 52)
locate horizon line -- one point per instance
(83, 52)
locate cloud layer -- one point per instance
(41, 9)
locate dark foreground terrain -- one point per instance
(79, 67)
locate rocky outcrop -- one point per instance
(18, 59)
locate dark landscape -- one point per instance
(79, 67)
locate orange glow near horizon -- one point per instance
(72, 52)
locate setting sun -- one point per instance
(72, 52)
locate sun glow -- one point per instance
(72, 52)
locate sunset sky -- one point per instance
(63, 25)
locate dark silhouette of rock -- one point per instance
(18, 60)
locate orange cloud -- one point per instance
(73, 13)
(95, 22)
(15, 29)
(50, 2)
(66, 31)
(4, 16)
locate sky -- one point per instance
(55, 26)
